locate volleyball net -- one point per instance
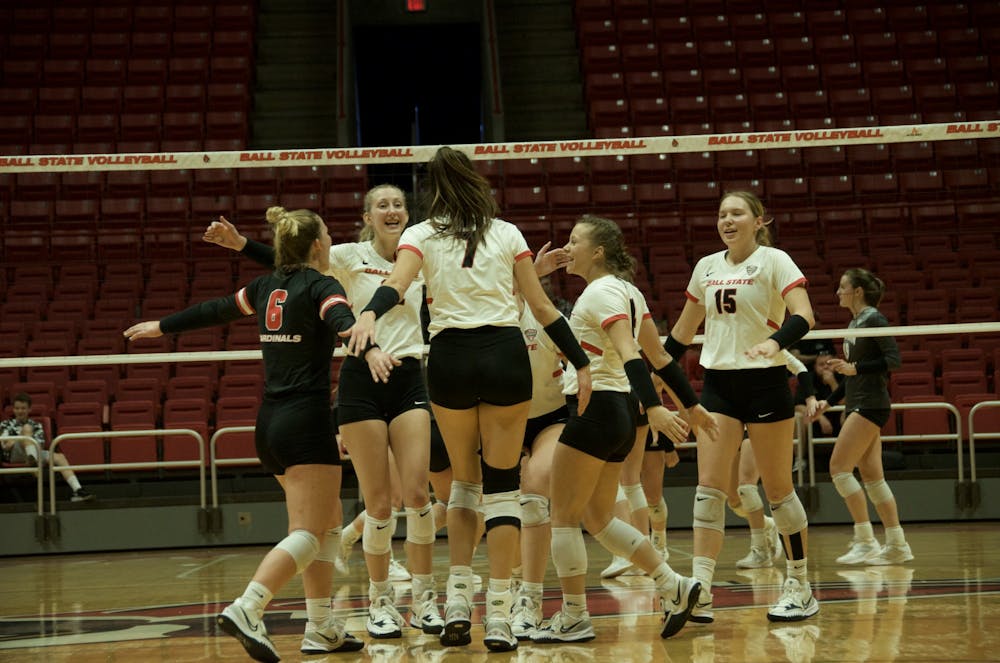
(94, 242)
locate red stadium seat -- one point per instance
(133, 415)
(231, 412)
(192, 413)
(80, 417)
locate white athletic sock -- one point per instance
(318, 611)
(664, 578)
(377, 589)
(421, 583)
(74, 483)
(796, 568)
(757, 538)
(255, 598)
(533, 589)
(894, 536)
(575, 605)
(703, 570)
(864, 532)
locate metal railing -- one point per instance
(973, 435)
(216, 462)
(149, 465)
(37, 469)
(923, 437)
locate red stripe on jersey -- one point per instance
(690, 296)
(592, 348)
(802, 281)
(615, 318)
(409, 247)
(430, 300)
(243, 303)
(647, 316)
(556, 374)
(523, 254)
(773, 325)
(330, 302)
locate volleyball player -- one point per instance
(379, 412)
(479, 377)
(859, 444)
(300, 313)
(742, 294)
(608, 317)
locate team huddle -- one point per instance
(537, 413)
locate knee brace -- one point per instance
(465, 495)
(878, 491)
(420, 525)
(636, 498)
(534, 510)
(620, 538)
(569, 552)
(496, 480)
(502, 509)
(710, 508)
(750, 498)
(303, 546)
(620, 496)
(658, 512)
(789, 515)
(378, 535)
(846, 484)
(330, 548)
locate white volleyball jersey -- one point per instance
(744, 304)
(546, 367)
(466, 292)
(361, 270)
(604, 301)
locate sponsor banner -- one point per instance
(544, 149)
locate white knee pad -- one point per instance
(750, 498)
(330, 547)
(846, 484)
(620, 538)
(303, 546)
(710, 508)
(502, 509)
(534, 510)
(465, 495)
(378, 535)
(420, 525)
(569, 552)
(620, 496)
(789, 515)
(658, 512)
(636, 498)
(878, 491)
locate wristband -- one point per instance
(674, 377)
(791, 332)
(639, 378)
(383, 300)
(674, 348)
(562, 336)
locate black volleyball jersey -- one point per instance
(298, 316)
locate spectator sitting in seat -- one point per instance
(17, 451)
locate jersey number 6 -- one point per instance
(274, 310)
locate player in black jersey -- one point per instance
(299, 313)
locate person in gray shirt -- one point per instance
(859, 444)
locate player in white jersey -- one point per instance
(379, 412)
(742, 293)
(607, 318)
(479, 377)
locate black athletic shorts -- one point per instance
(360, 398)
(605, 430)
(751, 395)
(878, 416)
(439, 453)
(466, 367)
(537, 424)
(295, 430)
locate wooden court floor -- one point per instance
(159, 606)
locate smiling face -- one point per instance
(581, 251)
(386, 212)
(846, 292)
(737, 223)
(21, 410)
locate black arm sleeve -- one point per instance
(560, 333)
(837, 395)
(259, 253)
(804, 387)
(639, 378)
(204, 314)
(674, 377)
